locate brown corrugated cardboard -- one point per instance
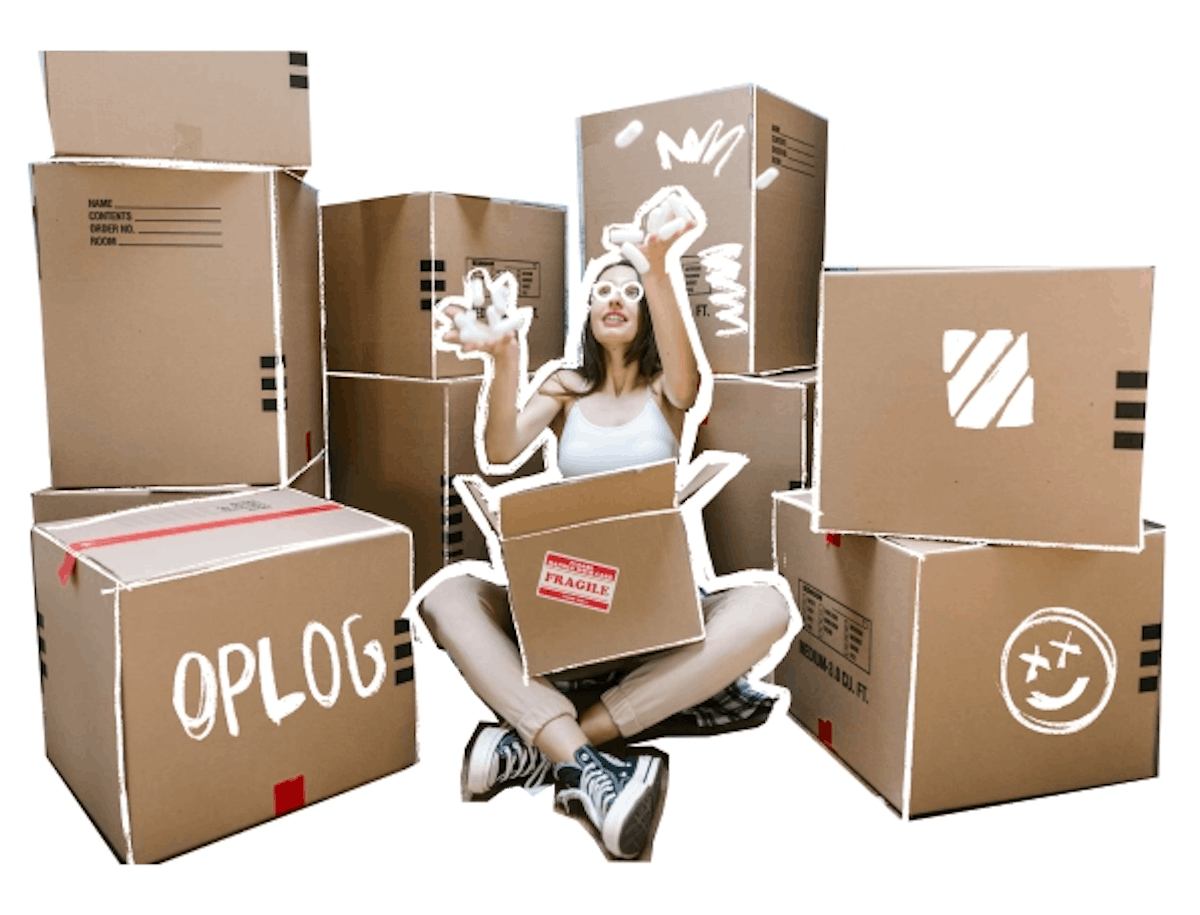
(388, 260)
(598, 566)
(394, 446)
(955, 675)
(217, 106)
(756, 164)
(211, 664)
(770, 420)
(181, 324)
(64, 504)
(998, 405)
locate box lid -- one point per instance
(154, 542)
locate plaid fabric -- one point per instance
(736, 703)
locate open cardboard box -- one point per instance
(951, 675)
(209, 665)
(1006, 405)
(215, 106)
(600, 566)
(756, 164)
(181, 321)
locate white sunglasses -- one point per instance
(606, 291)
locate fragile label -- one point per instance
(578, 582)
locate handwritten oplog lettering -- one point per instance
(415, 85)
(217, 681)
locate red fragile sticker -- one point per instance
(578, 582)
(835, 539)
(80, 546)
(289, 795)
(825, 732)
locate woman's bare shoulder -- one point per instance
(564, 383)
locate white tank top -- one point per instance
(588, 448)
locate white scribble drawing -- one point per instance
(628, 134)
(989, 379)
(695, 148)
(714, 849)
(766, 179)
(722, 265)
(913, 148)
(415, 85)
(1070, 636)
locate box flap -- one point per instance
(650, 487)
(707, 474)
(182, 537)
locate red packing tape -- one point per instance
(79, 546)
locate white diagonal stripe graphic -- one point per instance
(954, 344)
(1019, 411)
(989, 399)
(975, 367)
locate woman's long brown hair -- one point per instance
(643, 349)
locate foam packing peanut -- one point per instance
(476, 290)
(628, 134)
(635, 258)
(621, 236)
(669, 230)
(764, 181)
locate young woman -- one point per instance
(624, 406)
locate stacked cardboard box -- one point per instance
(402, 412)
(184, 372)
(756, 164)
(1014, 649)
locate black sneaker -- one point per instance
(497, 758)
(621, 797)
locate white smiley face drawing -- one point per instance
(1057, 671)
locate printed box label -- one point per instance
(578, 582)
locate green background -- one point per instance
(1085, 125)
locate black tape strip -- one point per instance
(426, 265)
(455, 518)
(1151, 658)
(455, 499)
(1148, 685)
(268, 362)
(403, 650)
(427, 285)
(268, 384)
(401, 627)
(43, 670)
(41, 620)
(298, 80)
(439, 285)
(270, 405)
(404, 676)
(453, 554)
(1153, 631)
(297, 58)
(795, 484)
(41, 645)
(1127, 409)
(439, 266)
(452, 536)
(1130, 440)
(444, 480)
(1132, 380)
(426, 304)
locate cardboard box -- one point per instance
(598, 565)
(64, 504)
(217, 106)
(753, 276)
(998, 405)
(770, 420)
(394, 446)
(387, 260)
(209, 665)
(181, 323)
(952, 675)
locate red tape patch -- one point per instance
(80, 546)
(289, 795)
(825, 732)
(835, 539)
